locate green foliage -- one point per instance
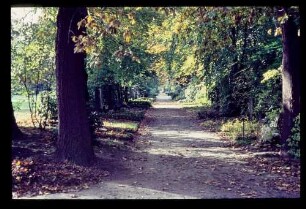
(33, 62)
(294, 139)
(118, 55)
(270, 87)
(17, 105)
(197, 93)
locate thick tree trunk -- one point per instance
(74, 139)
(16, 133)
(290, 78)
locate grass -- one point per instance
(126, 125)
(20, 103)
(118, 130)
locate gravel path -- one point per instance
(176, 159)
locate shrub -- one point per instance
(233, 129)
(95, 121)
(125, 115)
(46, 108)
(140, 103)
(269, 131)
(294, 139)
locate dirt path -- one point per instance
(177, 159)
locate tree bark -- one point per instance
(74, 140)
(290, 78)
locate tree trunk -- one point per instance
(126, 94)
(232, 108)
(74, 141)
(290, 78)
(16, 133)
(109, 97)
(97, 99)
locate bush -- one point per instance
(269, 134)
(270, 87)
(125, 115)
(141, 103)
(94, 121)
(269, 131)
(47, 108)
(233, 129)
(294, 139)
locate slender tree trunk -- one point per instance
(290, 78)
(233, 109)
(97, 99)
(126, 94)
(74, 140)
(110, 96)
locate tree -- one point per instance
(290, 72)
(74, 138)
(33, 62)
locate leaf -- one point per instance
(270, 31)
(18, 163)
(282, 19)
(79, 24)
(89, 19)
(278, 31)
(127, 36)
(74, 39)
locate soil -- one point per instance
(174, 158)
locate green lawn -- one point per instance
(121, 124)
(21, 102)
